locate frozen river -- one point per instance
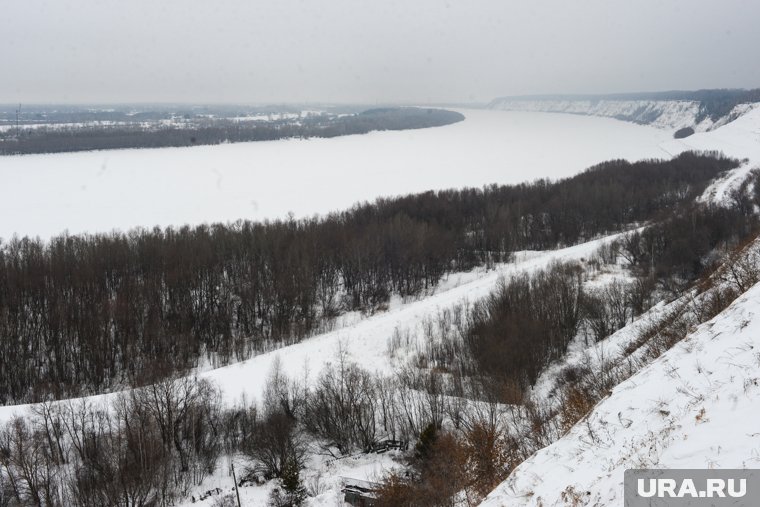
(120, 189)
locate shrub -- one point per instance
(684, 132)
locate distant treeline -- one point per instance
(103, 137)
(128, 113)
(85, 313)
(715, 104)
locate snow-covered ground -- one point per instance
(102, 190)
(323, 477)
(119, 189)
(663, 114)
(739, 139)
(696, 406)
(365, 341)
(677, 412)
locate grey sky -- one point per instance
(369, 51)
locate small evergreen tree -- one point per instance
(291, 482)
(428, 436)
(293, 492)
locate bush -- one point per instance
(576, 403)
(684, 132)
(437, 477)
(275, 445)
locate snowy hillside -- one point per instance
(694, 407)
(366, 339)
(663, 114)
(740, 139)
(675, 412)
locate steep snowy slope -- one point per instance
(658, 113)
(663, 114)
(740, 139)
(694, 407)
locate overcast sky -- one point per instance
(408, 51)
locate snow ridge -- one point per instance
(663, 114)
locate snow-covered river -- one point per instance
(99, 191)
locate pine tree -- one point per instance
(293, 493)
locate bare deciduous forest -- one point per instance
(83, 314)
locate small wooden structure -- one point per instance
(359, 493)
(387, 445)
